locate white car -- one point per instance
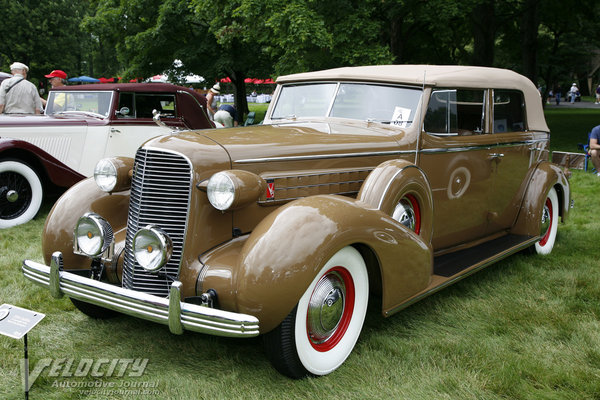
(81, 125)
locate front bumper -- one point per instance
(171, 311)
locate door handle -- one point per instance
(495, 156)
(113, 130)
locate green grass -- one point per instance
(524, 328)
(569, 127)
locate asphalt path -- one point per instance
(577, 104)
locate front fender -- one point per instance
(286, 250)
(58, 173)
(545, 176)
(83, 197)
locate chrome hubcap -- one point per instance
(326, 307)
(12, 196)
(405, 214)
(546, 220)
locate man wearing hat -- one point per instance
(17, 94)
(211, 100)
(57, 78)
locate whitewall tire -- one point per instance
(20, 193)
(320, 333)
(549, 224)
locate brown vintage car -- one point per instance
(384, 181)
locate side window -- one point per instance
(454, 112)
(126, 108)
(509, 111)
(146, 103)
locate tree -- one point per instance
(45, 35)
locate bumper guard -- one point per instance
(171, 311)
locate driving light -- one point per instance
(221, 191)
(93, 234)
(152, 248)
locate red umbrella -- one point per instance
(249, 80)
(269, 81)
(226, 80)
(259, 81)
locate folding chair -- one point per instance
(585, 147)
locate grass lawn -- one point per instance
(524, 328)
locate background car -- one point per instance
(81, 125)
(383, 182)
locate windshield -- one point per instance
(95, 102)
(367, 102)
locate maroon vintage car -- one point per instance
(81, 125)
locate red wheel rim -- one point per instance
(346, 317)
(417, 210)
(544, 239)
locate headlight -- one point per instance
(221, 191)
(234, 189)
(114, 174)
(93, 234)
(152, 248)
(105, 175)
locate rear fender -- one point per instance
(545, 176)
(282, 256)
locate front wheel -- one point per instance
(549, 224)
(321, 331)
(20, 193)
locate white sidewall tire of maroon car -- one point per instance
(29, 177)
(324, 362)
(546, 244)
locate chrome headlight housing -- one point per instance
(105, 175)
(114, 174)
(152, 248)
(221, 191)
(233, 189)
(93, 235)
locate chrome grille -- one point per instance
(160, 193)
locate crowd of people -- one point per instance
(20, 96)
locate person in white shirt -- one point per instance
(17, 94)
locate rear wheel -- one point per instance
(549, 224)
(20, 193)
(321, 331)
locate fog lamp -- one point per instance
(93, 234)
(152, 248)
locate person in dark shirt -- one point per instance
(227, 116)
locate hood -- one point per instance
(309, 139)
(25, 120)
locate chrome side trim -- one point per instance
(482, 147)
(178, 315)
(324, 156)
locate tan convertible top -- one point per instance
(440, 76)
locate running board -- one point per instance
(453, 263)
(452, 267)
